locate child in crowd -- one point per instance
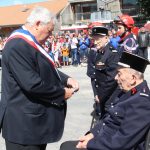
(65, 54)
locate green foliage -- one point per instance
(144, 8)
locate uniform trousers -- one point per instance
(15, 146)
(70, 145)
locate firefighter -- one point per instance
(103, 69)
(128, 41)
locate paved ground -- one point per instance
(78, 118)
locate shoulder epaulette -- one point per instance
(143, 94)
(114, 51)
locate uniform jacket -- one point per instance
(149, 39)
(125, 125)
(105, 71)
(143, 39)
(91, 68)
(32, 107)
(129, 44)
(91, 63)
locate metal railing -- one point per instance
(101, 15)
(85, 18)
(82, 16)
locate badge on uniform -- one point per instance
(133, 91)
(100, 64)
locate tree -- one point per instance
(144, 8)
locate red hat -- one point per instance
(124, 20)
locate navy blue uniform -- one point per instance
(126, 123)
(129, 44)
(105, 72)
(91, 67)
(91, 62)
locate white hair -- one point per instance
(138, 74)
(41, 14)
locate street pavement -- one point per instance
(78, 119)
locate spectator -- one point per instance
(1, 45)
(73, 43)
(84, 44)
(65, 54)
(56, 50)
(143, 41)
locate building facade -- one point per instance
(73, 14)
(82, 12)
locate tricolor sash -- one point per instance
(30, 39)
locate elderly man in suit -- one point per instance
(34, 92)
(127, 121)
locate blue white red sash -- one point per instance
(25, 35)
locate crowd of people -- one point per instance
(69, 48)
(34, 92)
(73, 48)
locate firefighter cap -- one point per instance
(99, 30)
(129, 60)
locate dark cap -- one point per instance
(133, 61)
(99, 30)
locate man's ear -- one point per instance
(133, 81)
(106, 37)
(38, 23)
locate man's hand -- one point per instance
(72, 83)
(68, 92)
(96, 98)
(84, 140)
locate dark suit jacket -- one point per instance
(32, 107)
